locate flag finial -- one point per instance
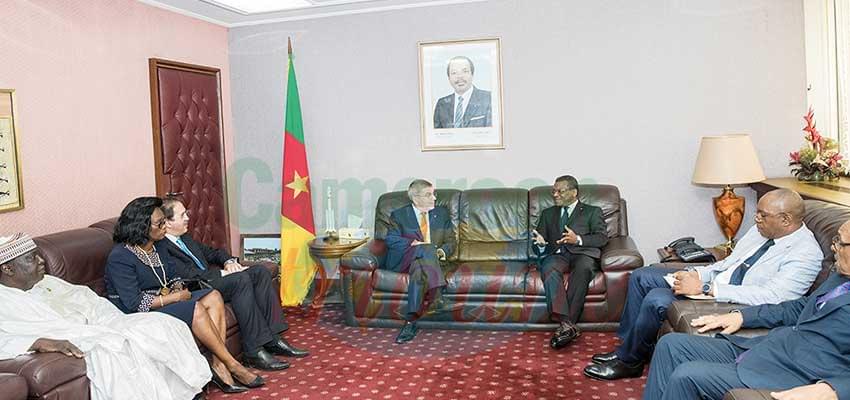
(289, 45)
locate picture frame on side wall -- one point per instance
(258, 247)
(460, 95)
(11, 185)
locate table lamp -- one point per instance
(727, 160)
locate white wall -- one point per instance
(610, 91)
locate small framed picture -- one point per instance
(256, 247)
(460, 95)
(11, 185)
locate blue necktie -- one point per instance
(186, 250)
(738, 275)
(459, 112)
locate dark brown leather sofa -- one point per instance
(493, 282)
(77, 256)
(823, 219)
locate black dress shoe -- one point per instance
(613, 370)
(407, 333)
(281, 347)
(565, 335)
(227, 388)
(265, 361)
(602, 358)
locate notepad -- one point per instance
(671, 280)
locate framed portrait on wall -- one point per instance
(11, 186)
(460, 95)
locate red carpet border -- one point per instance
(365, 363)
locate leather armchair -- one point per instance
(493, 280)
(748, 394)
(12, 387)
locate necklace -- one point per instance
(162, 282)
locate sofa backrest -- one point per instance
(824, 219)
(494, 224)
(79, 256)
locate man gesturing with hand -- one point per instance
(568, 238)
(803, 357)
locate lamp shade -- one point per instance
(727, 160)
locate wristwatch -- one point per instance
(706, 288)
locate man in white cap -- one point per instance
(135, 356)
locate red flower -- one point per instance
(795, 156)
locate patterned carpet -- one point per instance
(364, 363)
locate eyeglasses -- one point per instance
(560, 191)
(159, 224)
(836, 241)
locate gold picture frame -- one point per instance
(463, 79)
(11, 184)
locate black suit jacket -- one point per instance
(478, 111)
(586, 221)
(212, 259)
(806, 344)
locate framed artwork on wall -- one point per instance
(11, 186)
(258, 247)
(460, 95)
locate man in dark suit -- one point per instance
(468, 106)
(249, 291)
(420, 237)
(803, 357)
(568, 238)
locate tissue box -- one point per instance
(353, 233)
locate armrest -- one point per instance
(620, 254)
(13, 386)
(747, 394)
(360, 258)
(45, 371)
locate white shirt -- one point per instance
(174, 238)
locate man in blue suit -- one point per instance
(803, 357)
(468, 106)
(420, 237)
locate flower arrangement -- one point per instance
(818, 159)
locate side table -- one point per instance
(322, 249)
(674, 261)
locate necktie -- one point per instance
(423, 227)
(565, 217)
(186, 250)
(459, 112)
(837, 291)
(738, 275)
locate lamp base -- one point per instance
(729, 213)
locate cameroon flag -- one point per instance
(297, 268)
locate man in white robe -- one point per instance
(128, 356)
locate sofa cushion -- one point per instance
(389, 202)
(77, 256)
(14, 387)
(493, 225)
(606, 197)
(824, 219)
(492, 277)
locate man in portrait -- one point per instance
(468, 106)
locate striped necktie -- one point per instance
(459, 112)
(186, 250)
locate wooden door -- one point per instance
(189, 146)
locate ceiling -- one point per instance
(217, 12)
